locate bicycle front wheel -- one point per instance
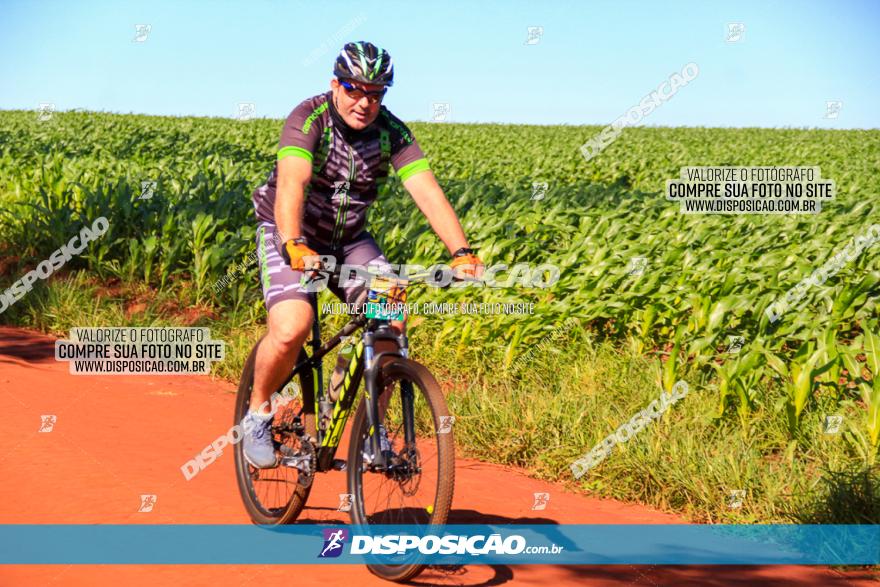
(417, 486)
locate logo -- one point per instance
(47, 423)
(340, 188)
(55, 261)
(147, 503)
(831, 425)
(45, 111)
(650, 102)
(736, 498)
(235, 434)
(141, 32)
(333, 541)
(446, 423)
(773, 312)
(832, 109)
(534, 35)
(637, 265)
(735, 32)
(345, 500)
(735, 343)
(441, 111)
(447, 544)
(147, 189)
(539, 188)
(246, 110)
(541, 500)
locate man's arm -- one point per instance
(429, 197)
(294, 174)
(411, 166)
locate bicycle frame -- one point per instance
(364, 364)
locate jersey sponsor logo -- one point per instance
(307, 125)
(398, 127)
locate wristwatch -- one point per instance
(462, 252)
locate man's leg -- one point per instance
(290, 319)
(290, 322)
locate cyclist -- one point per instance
(335, 150)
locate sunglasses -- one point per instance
(356, 93)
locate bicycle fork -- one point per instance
(371, 388)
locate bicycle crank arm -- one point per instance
(300, 462)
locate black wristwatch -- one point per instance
(300, 240)
(462, 252)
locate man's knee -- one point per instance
(288, 334)
(289, 326)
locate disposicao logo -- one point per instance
(431, 544)
(333, 541)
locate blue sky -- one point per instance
(594, 61)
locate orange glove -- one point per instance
(469, 266)
(299, 256)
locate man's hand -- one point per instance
(467, 267)
(300, 257)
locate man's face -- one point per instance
(357, 113)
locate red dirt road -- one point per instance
(116, 438)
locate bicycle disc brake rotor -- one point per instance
(405, 472)
(410, 480)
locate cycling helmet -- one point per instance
(366, 63)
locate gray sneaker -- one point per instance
(258, 448)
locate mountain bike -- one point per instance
(401, 450)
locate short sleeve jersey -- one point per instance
(347, 168)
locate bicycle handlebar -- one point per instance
(418, 278)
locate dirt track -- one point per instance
(119, 437)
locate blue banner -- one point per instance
(450, 544)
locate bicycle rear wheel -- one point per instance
(417, 489)
(278, 495)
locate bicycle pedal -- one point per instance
(338, 465)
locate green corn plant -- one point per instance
(799, 378)
(670, 367)
(869, 389)
(515, 335)
(133, 262)
(150, 248)
(747, 375)
(202, 228)
(739, 375)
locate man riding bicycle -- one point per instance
(335, 150)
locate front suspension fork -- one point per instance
(371, 386)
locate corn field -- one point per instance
(706, 278)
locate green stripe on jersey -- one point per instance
(294, 151)
(410, 169)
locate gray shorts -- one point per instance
(280, 282)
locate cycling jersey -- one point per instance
(348, 167)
